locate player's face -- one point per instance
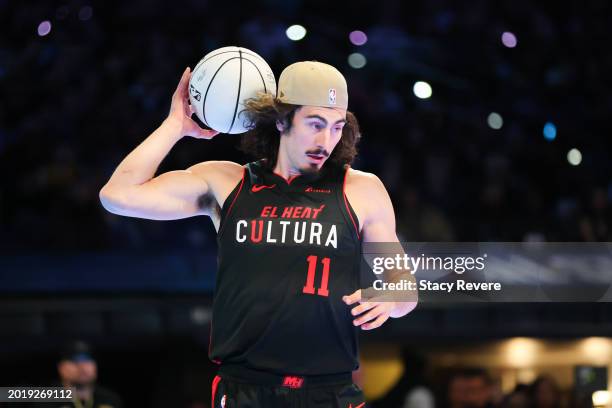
(313, 136)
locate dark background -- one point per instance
(79, 99)
(76, 101)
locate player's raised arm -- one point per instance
(132, 190)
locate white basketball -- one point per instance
(222, 81)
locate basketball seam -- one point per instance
(259, 72)
(237, 96)
(208, 88)
(239, 51)
(263, 81)
(203, 60)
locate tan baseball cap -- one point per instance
(313, 83)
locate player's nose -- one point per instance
(323, 138)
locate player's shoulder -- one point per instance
(367, 195)
(363, 180)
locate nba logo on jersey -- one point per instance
(223, 401)
(332, 96)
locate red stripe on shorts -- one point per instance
(215, 383)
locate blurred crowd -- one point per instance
(474, 388)
(78, 99)
(180, 376)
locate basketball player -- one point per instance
(287, 305)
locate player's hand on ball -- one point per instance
(181, 111)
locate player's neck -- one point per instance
(283, 167)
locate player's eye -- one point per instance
(317, 126)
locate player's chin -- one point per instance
(311, 168)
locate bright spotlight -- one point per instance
(422, 90)
(296, 32)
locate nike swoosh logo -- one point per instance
(357, 406)
(259, 187)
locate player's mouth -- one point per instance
(316, 157)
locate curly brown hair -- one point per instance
(263, 138)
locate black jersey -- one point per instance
(288, 252)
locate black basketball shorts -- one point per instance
(237, 387)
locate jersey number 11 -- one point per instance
(312, 267)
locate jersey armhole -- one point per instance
(349, 209)
(233, 196)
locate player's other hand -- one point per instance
(372, 313)
(368, 315)
(181, 111)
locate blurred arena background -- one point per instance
(486, 120)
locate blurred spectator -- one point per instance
(412, 390)
(77, 368)
(545, 393)
(469, 388)
(519, 398)
(596, 222)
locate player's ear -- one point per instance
(280, 126)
